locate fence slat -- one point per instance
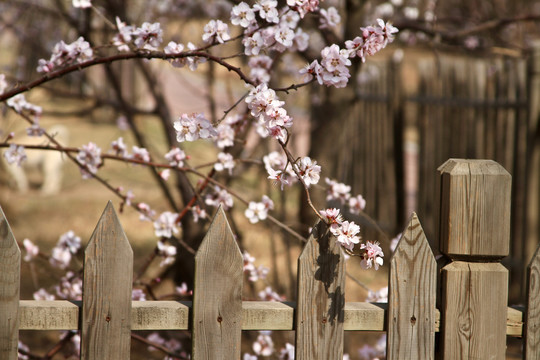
(10, 270)
(107, 285)
(412, 294)
(532, 315)
(320, 312)
(217, 294)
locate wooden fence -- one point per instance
(466, 301)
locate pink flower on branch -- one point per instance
(373, 255)
(346, 233)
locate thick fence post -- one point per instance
(107, 286)
(217, 294)
(474, 230)
(531, 326)
(10, 270)
(320, 310)
(411, 296)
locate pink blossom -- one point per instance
(148, 36)
(267, 10)
(70, 287)
(15, 154)
(174, 48)
(279, 176)
(166, 224)
(287, 353)
(346, 234)
(329, 18)
(253, 44)
(248, 356)
(332, 216)
(259, 210)
(167, 252)
(303, 6)
(194, 61)
(138, 295)
(357, 204)
(198, 213)
(32, 250)
(89, 157)
(165, 174)
(378, 296)
(242, 15)
(182, 289)
(193, 127)
(64, 54)
(176, 157)
(312, 70)
(308, 170)
(337, 191)
(301, 40)
(373, 255)
(124, 36)
(35, 130)
(284, 36)
(146, 213)
(3, 83)
(225, 136)
(225, 161)
(269, 295)
(20, 105)
(216, 30)
(140, 154)
(263, 346)
(83, 4)
(219, 197)
(119, 148)
(43, 294)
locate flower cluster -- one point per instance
(63, 54)
(373, 255)
(255, 272)
(67, 246)
(219, 197)
(89, 158)
(15, 154)
(193, 127)
(216, 31)
(259, 210)
(166, 225)
(373, 40)
(20, 105)
(147, 37)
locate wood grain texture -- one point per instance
(217, 294)
(10, 270)
(475, 209)
(107, 285)
(532, 314)
(411, 298)
(320, 312)
(474, 312)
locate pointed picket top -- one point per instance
(217, 294)
(411, 296)
(10, 269)
(107, 285)
(532, 316)
(320, 307)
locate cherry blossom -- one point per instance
(267, 10)
(259, 210)
(168, 252)
(219, 197)
(253, 44)
(346, 233)
(332, 215)
(32, 250)
(182, 289)
(198, 213)
(3, 83)
(43, 294)
(269, 295)
(138, 295)
(83, 4)
(373, 255)
(20, 105)
(140, 154)
(194, 61)
(378, 296)
(124, 36)
(329, 18)
(225, 161)
(287, 353)
(263, 346)
(308, 170)
(284, 36)
(35, 130)
(174, 48)
(176, 157)
(166, 224)
(225, 136)
(242, 15)
(70, 287)
(64, 54)
(119, 148)
(303, 6)
(357, 204)
(337, 191)
(249, 357)
(193, 127)
(15, 154)
(145, 212)
(148, 36)
(89, 157)
(216, 30)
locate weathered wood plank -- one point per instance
(107, 285)
(474, 312)
(10, 273)
(256, 315)
(320, 312)
(217, 294)
(412, 294)
(532, 315)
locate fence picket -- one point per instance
(532, 316)
(217, 294)
(411, 296)
(10, 270)
(320, 311)
(107, 285)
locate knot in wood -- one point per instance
(413, 320)
(219, 319)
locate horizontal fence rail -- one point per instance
(473, 318)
